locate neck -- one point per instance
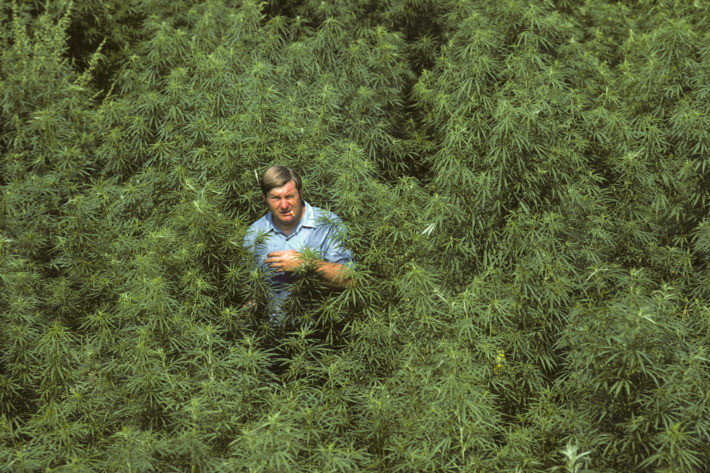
(287, 229)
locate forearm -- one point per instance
(334, 274)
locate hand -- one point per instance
(287, 261)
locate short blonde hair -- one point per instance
(277, 176)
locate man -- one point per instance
(293, 227)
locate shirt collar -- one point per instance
(309, 216)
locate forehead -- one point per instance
(287, 189)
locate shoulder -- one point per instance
(261, 226)
(331, 235)
(323, 218)
(329, 229)
(263, 223)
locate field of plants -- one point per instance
(526, 186)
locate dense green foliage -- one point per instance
(526, 185)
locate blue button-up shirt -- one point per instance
(318, 230)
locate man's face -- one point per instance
(282, 201)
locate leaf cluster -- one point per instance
(525, 188)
